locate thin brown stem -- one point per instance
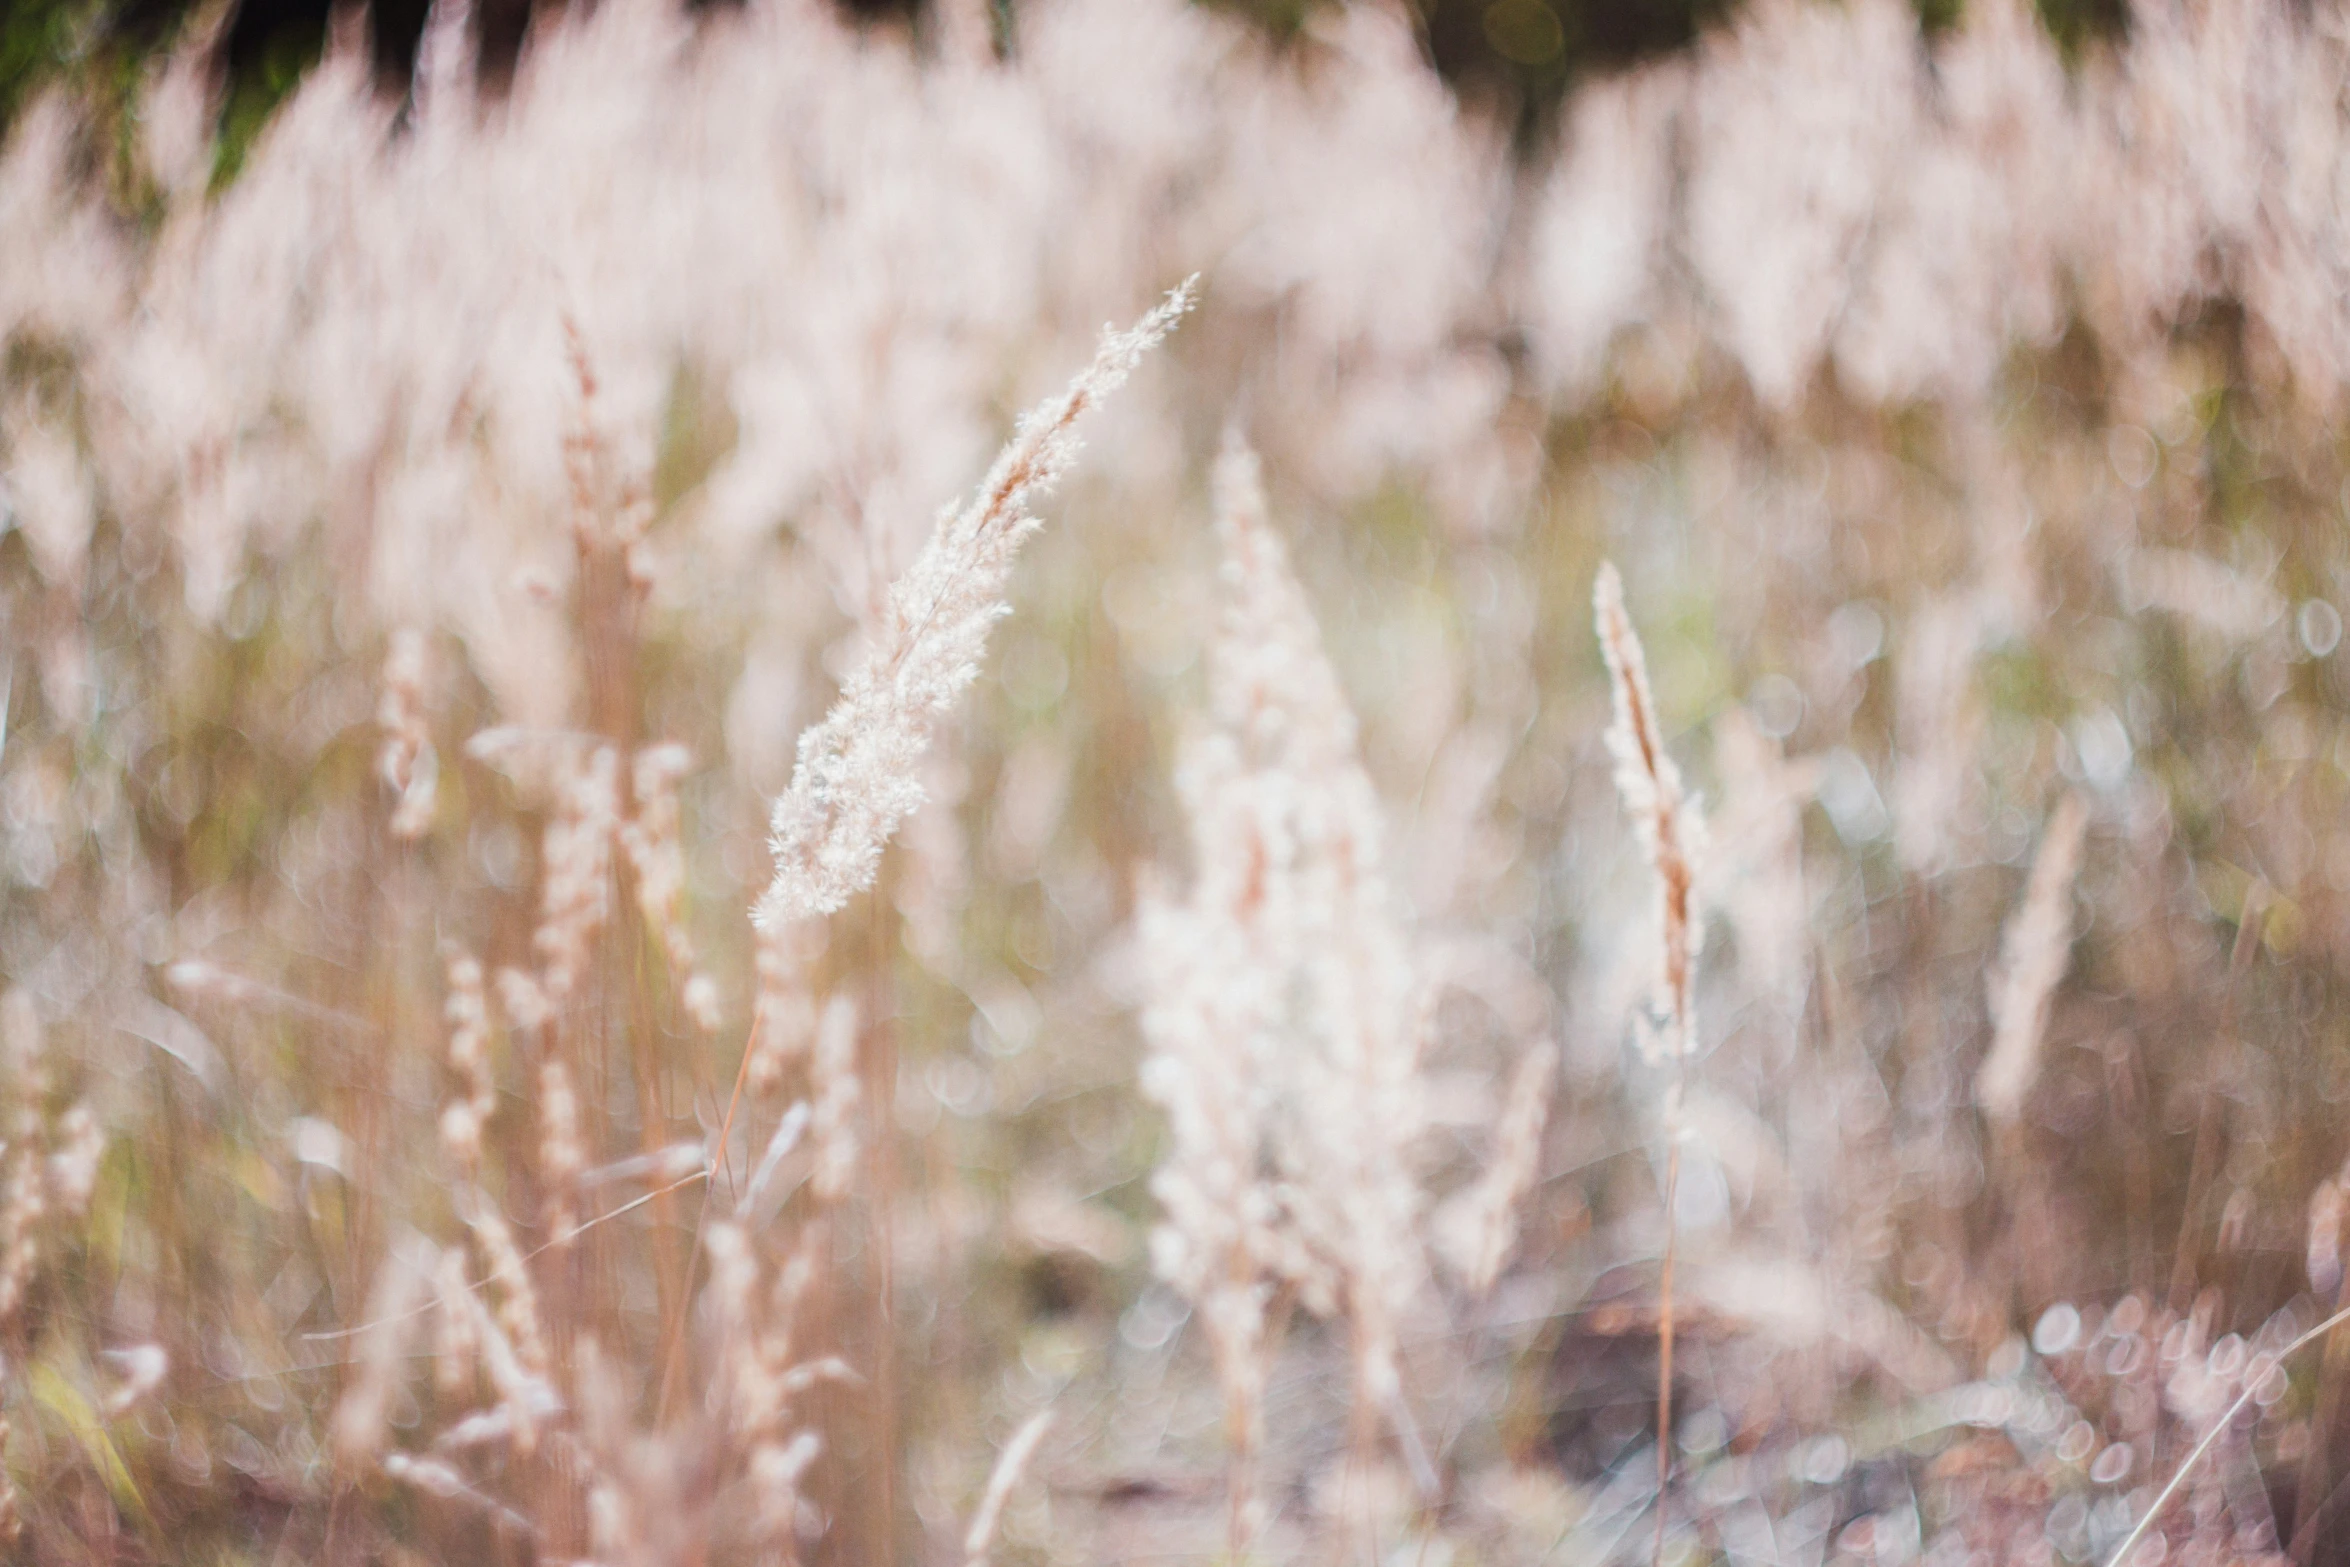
(881, 1066)
(672, 1351)
(2200, 1172)
(1670, 829)
(2309, 1509)
(1664, 1342)
(670, 1283)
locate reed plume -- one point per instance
(1285, 1015)
(857, 774)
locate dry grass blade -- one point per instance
(2252, 1386)
(2032, 959)
(1009, 1466)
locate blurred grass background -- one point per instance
(1525, 54)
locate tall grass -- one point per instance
(591, 977)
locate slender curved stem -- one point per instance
(2210, 1437)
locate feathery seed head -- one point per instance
(1667, 820)
(856, 775)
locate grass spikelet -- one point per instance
(406, 761)
(651, 841)
(577, 896)
(465, 1116)
(562, 1157)
(24, 1195)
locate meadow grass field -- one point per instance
(1618, 837)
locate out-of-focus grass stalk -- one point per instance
(1670, 831)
